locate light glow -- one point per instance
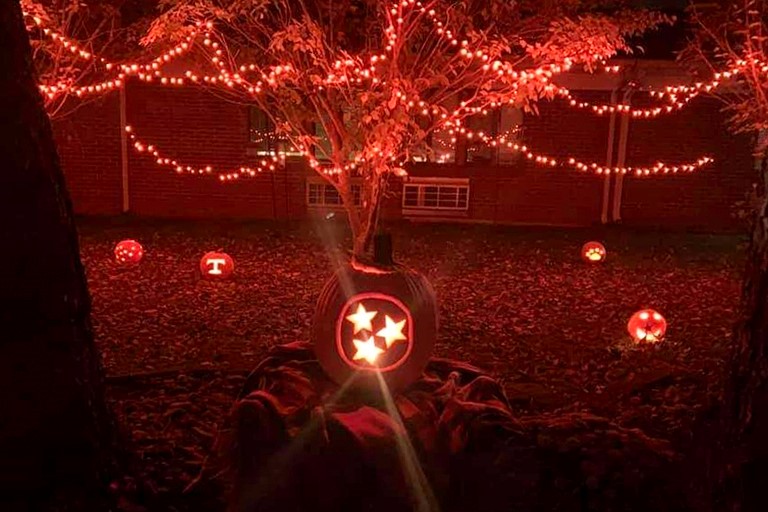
(393, 332)
(378, 320)
(128, 252)
(593, 252)
(266, 164)
(215, 263)
(362, 319)
(367, 350)
(647, 326)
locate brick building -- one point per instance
(475, 184)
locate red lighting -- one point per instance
(647, 326)
(216, 265)
(128, 252)
(374, 332)
(593, 252)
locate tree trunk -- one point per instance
(368, 219)
(748, 393)
(56, 434)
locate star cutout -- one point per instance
(362, 319)
(393, 332)
(367, 350)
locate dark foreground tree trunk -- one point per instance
(55, 429)
(748, 395)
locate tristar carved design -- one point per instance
(374, 332)
(374, 326)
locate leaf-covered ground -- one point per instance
(517, 302)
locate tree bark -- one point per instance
(748, 392)
(56, 433)
(367, 220)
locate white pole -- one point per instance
(621, 159)
(124, 150)
(609, 162)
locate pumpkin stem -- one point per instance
(382, 249)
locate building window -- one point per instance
(442, 142)
(436, 194)
(510, 126)
(263, 138)
(325, 194)
(323, 149)
(479, 151)
(443, 147)
(505, 122)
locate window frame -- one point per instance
(318, 182)
(423, 183)
(273, 148)
(461, 147)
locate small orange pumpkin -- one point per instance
(128, 252)
(216, 265)
(647, 326)
(593, 252)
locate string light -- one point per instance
(640, 113)
(573, 162)
(677, 96)
(351, 71)
(58, 37)
(271, 163)
(267, 164)
(145, 71)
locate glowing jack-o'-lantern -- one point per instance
(216, 265)
(593, 252)
(371, 322)
(374, 331)
(647, 326)
(128, 252)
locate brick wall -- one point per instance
(190, 125)
(703, 200)
(526, 193)
(533, 194)
(89, 149)
(195, 127)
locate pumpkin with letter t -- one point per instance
(375, 322)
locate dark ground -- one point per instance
(516, 302)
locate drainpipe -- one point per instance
(274, 194)
(609, 162)
(124, 150)
(621, 159)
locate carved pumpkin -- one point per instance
(593, 252)
(128, 252)
(370, 321)
(216, 265)
(647, 326)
